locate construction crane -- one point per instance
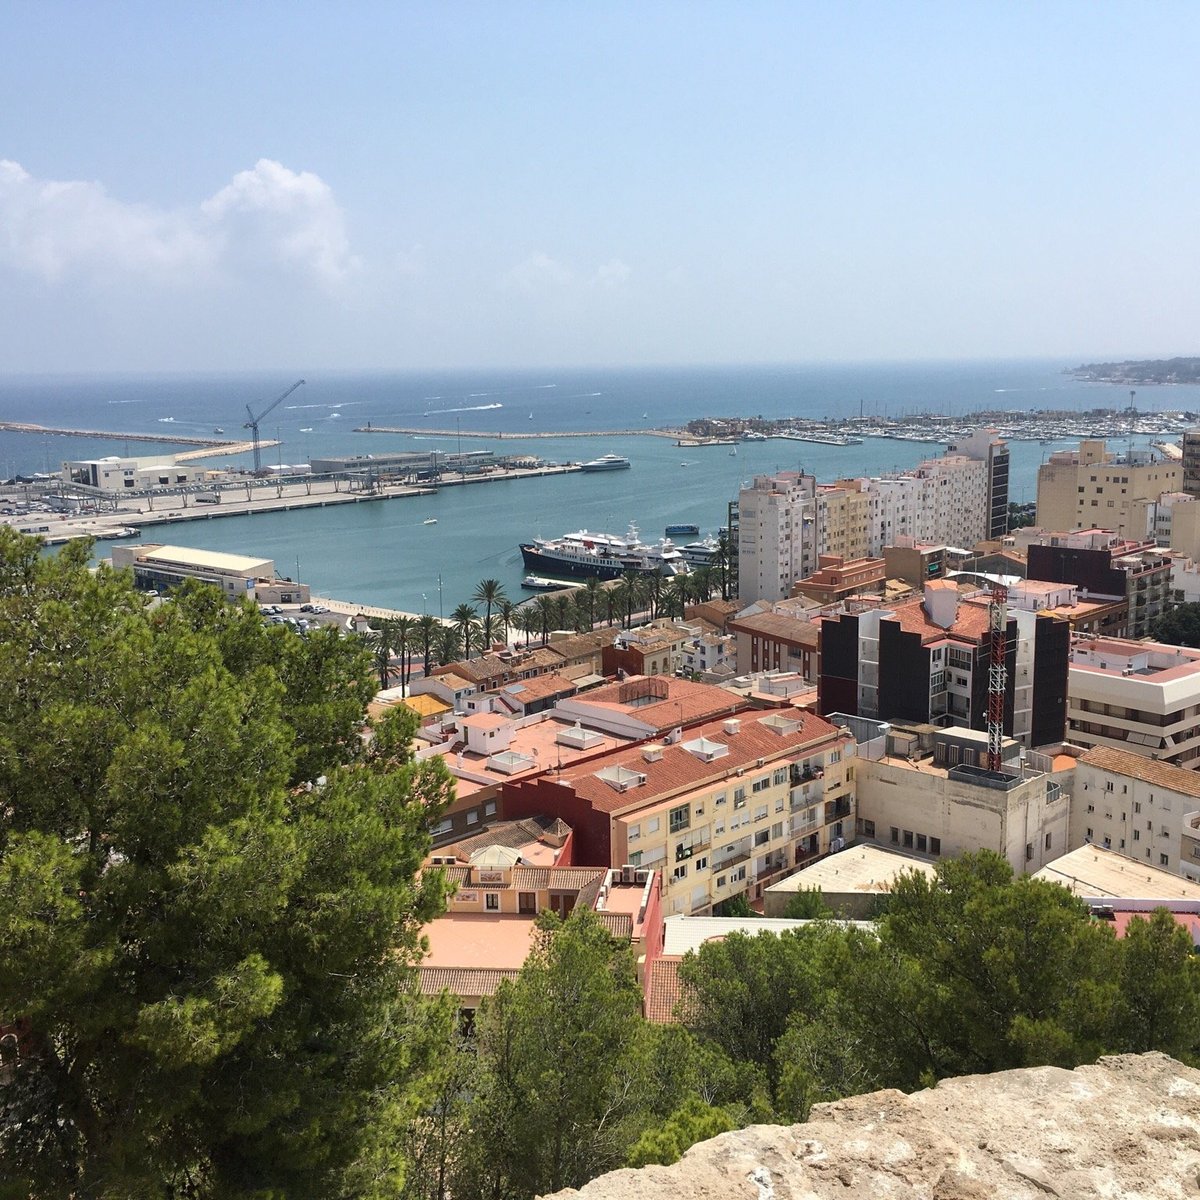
(252, 424)
(997, 674)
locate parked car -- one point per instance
(306, 608)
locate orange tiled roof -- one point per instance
(798, 630)
(463, 981)
(1134, 766)
(667, 992)
(679, 770)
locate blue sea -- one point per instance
(383, 554)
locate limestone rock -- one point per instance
(1128, 1127)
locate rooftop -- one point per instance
(1094, 871)
(184, 556)
(656, 771)
(1135, 766)
(479, 940)
(861, 868)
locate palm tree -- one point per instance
(380, 641)
(489, 593)
(675, 596)
(428, 625)
(589, 595)
(702, 584)
(464, 620)
(527, 620)
(402, 632)
(653, 591)
(545, 612)
(721, 561)
(629, 591)
(447, 644)
(505, 611)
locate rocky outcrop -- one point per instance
(1127, 1127)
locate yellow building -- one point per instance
(1090, 487)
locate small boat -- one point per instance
(306, 429)
(218, 429)
(539, 583)
(429, 521)
(685, 528)
(733, 452)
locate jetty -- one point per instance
(206, 446)
(424, 431)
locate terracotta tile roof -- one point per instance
(797, 630)
(557, 879)
(463, 981)
(666, 993)
(620, 925)
(582, 645)
(679, 770)
(970, 624)
(686, 702)
(525, 691)
(484, 720)
(1134, 766)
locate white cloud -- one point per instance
(538, 274)
(57, 229)
(612, 274)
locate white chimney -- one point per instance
(941, 602)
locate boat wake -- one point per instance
(433, 412)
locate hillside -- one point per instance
(1140, 371)
(1127, 1126)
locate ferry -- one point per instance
(602, 555)
(606, 462)
(687, 530)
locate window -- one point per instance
(780, 776)
(864, 827)
(760, 812)
(1137, 806)
(908, 839)
(895, 836)
(473, 817)
(1028, 851)
(935, 845)
(635, 832)
(720, 800)
(680, 872)
(719, 826)
(1048, 836)
(701, 864)
(1137, 835)
(777, 830)
(491, 901)
(652, 825)
(761, 785)
(679, 818)
(779, 805)
(762, 837)
(739, 798)
(1164, 860)
(443, 828)
(921, 842)
(489, 809)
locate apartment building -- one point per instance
(1089, 487)
(1105, 566)
(984, 446)
(928, 791)
(722, 809)
(654, 649)
(782, 638)
(1190, 465)
(844, 512)
(1143, 697)
(927, 659)
(1139, 808)
(837, 578)
(1173, 522)
(777, 535)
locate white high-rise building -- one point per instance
(777, 535)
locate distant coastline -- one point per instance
(1139, 372)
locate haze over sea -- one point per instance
(383, 554)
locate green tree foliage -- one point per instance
(808, 904)
(210, 947)
(1179, 627)
(692, 1122)
(1160, 988)
(556, 1087)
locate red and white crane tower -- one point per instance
(997, 673)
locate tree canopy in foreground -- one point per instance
(208, 896)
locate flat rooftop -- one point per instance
(479, 940)
(865, 869)
(212, 560)
(1094, 871)
(684, 933)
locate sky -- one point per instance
(360, 186)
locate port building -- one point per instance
(160, 568)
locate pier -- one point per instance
(516, 437)
(207, 447)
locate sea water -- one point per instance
(382, 553)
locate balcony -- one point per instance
(836, 810)
(806, 794)
(721, 864)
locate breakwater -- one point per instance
(519, 436)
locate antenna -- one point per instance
(997, 673)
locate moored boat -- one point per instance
(606, 462)
(602, 555)
(686, 529)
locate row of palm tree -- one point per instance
(635, 594)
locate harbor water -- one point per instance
(384, 553)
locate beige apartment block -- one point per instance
(923, 800)
(1142, 697)
(1080, 489)
(1137, 807)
